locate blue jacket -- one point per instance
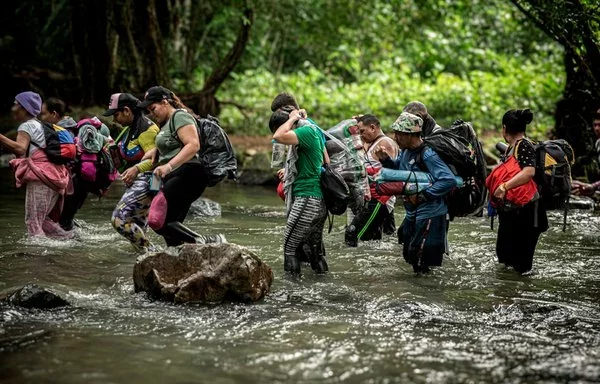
(443, 182)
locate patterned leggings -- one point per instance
(130, 217)
(307, 216)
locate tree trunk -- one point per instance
(205, 102)
(90, 50)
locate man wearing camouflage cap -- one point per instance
(424, 227)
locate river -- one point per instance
(369, 320)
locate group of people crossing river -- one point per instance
(156, 157)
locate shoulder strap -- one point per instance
(43, 130)
(419, 158)
(171, 123)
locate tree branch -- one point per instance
(226, 66)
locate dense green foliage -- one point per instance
(469, 59)
(465, 59)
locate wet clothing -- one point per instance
(46, 185)
(305, 208)
(181, 187)
(305, 228)
(425, 242)
(519, 229)
(424, 230)
(74, 201)
(130, 216)
(368, 224)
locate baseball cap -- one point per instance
(408, 123)
(119, 101)
(156, 94)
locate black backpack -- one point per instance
(336, 193)
(553, 159)
(553, 172)
(459, 147)
(216, 152)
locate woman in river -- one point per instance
(130, 216)
(178, 167)
(46, 182)
(519, 228)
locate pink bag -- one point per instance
(88, 166)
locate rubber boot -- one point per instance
(351, 236)
(317, 258)
(291, 264)
(183, 233)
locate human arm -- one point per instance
(517, 180)
(389, 147)
(525, 154)
(188, 135)
(285, 133)
(443, 178)
(388, 155)
(584, 189)
(18, 146)
(146, 140)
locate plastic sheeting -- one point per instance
(347, 157)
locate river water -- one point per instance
(369, 320)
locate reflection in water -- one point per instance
(370, 319)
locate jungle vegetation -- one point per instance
(468, 59)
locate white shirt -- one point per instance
(36, 134)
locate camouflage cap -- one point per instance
(408, 123)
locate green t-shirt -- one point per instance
(167, 142)
(310, 160)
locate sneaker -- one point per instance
(531, 272)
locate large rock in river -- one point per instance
(203, 273)
(34, 296)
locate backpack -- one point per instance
(94, 163)
(98, 170)
(336, 193)
(459, 147)
(344, 148)
(216, 152)
(60, 144)
(553, 172)
(553, 159)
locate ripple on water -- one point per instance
(369, 320)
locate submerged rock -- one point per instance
(205, 207)
(206, 273)
(581, 202)
(33, 296)
(256, 169)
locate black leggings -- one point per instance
(180, 189)
(518, 234)
(74, 202)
